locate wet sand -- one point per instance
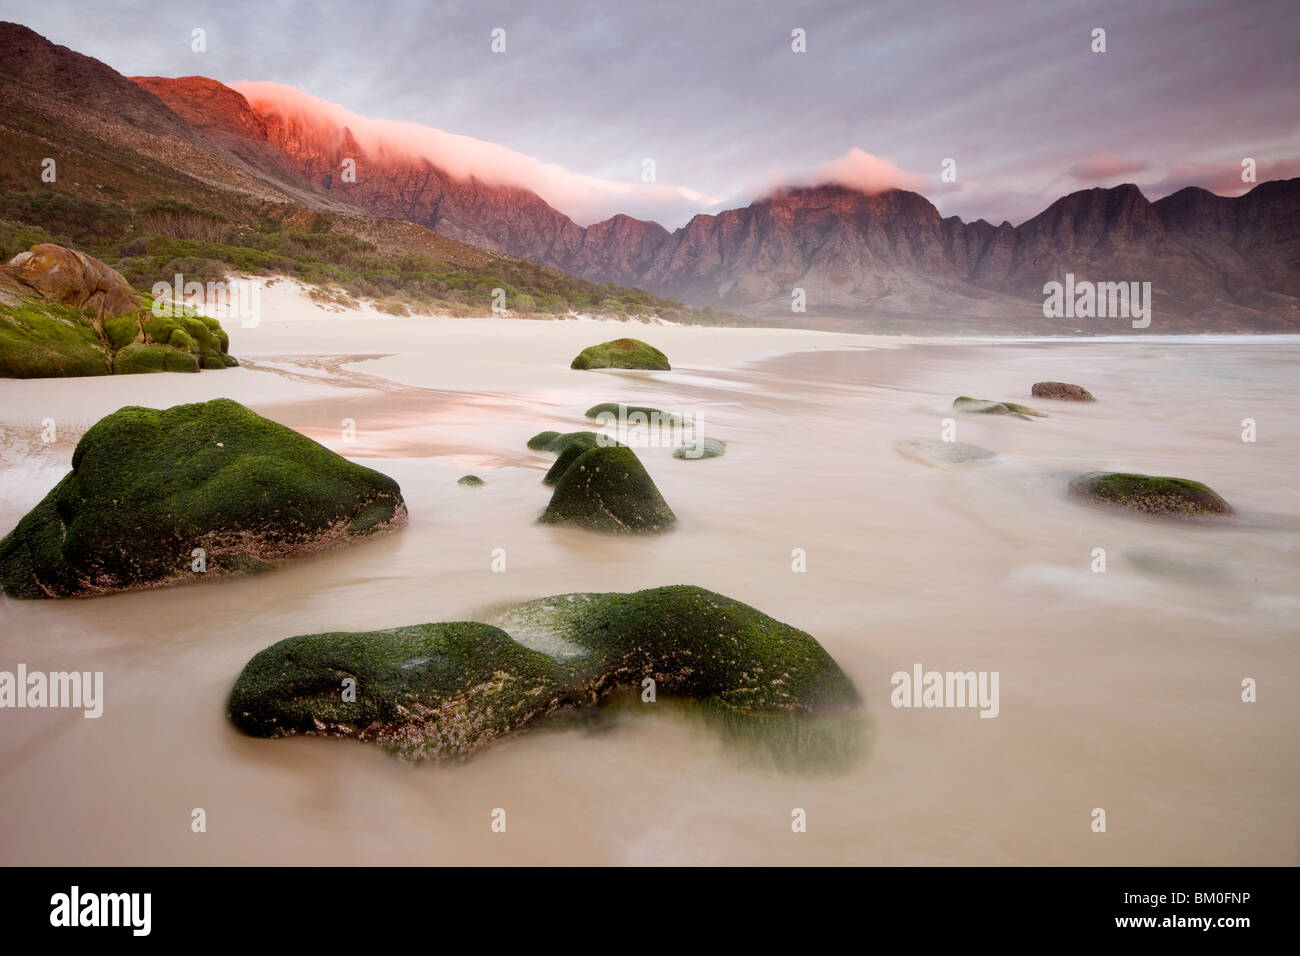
(1118, 690)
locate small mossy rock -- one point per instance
(622, 353)
(932, 451)
(446, 690)
(542, 440)
(1176, 497)
(1061, 390)
(633, 414)
(608, 489)
(555, 442)
(138, 358)
(148, 487)
(704, 448)
(983, 406)
(470, 481)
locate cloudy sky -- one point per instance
(713, 93)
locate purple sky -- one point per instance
(714, 95)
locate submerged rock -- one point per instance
(982, 405)
(470, 481)
(148, 489)
(1178, 497)
(1062, 390)
(704, 448)
(608, 489)
(446, 690)
(933, 451)
(622, 353)
(639, 414)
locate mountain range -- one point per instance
(889, 258)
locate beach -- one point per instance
(1120, 689)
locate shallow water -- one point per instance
(1118, 690)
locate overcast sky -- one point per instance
(713, 93)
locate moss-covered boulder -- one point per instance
(470, 481)
(984, 406)
(1173, 497)
(608, 489)
(446, 690)
(158, 497)
(703, 448)
(555, 442)
(542, 440)
(622, 353)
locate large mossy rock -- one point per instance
(1174, 497)
(446, 690)
(608, 489)
(622, 353)
(148, 487)
(65, 313)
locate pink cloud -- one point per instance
(860, 170)
(585, 199)
(1106, 166)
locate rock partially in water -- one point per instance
(984, 406)
(542, 440)
(470, 481)
(704, 448)
(1061, 390)
(447, 690)
(633, 414)
(932, 451)
(608, 489)
(622, 353)
(1174, 497)
(158, 497)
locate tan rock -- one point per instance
(76, 279)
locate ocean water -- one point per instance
(1119, 690)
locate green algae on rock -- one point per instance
(447, 690)
(622, 353)
(158, 497)
(633, 414)
(983, 405)
(542, 440)
(470, 481)
(606, 488)
(1176, 497)
(555, 442)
